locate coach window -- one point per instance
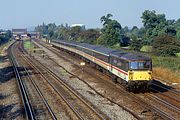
(115, 61)
(124, 65)
(119, 63)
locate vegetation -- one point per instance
(156, 30)
(166, 45)
(28, 45)
(4, 36)
(158, 38)
(136, 43)
(111, 32)
(172, 63)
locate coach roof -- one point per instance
(104, 50)
(88, 46)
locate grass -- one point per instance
(28, 45)
(167, 68)
(172, 63)
(166, 75)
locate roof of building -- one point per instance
(19, 30)
(74, 25)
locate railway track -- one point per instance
(81, 107)
(162, 113)
(37, 89)
(165, 109)
(39, 106)
(166, 91)
(26, 102)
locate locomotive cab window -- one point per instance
(144, 65)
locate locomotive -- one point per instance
(132, 70)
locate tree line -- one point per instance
(5, 36)
(158, 33)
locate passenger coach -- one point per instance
(132, 70)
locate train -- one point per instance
(133, 71)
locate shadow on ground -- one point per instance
(7, 73)
(3, 58)
(7, 112)
(3, 96)
(158, 86)
(155, 86)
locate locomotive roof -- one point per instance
(130, 56)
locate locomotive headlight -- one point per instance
(150, 74)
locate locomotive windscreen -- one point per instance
(140, 65)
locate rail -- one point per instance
(64, 84)
(23, 92)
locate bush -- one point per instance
(146, 49)
(135, 43)
(178, 54)
(166, 45)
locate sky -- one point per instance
(27, 13)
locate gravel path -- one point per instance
(10, 101)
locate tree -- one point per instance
(177, 27)
(154, 24)
(90, 36)
(111, 31)
(151, 19)
(5, 36)
(51, 28)
(42, 29)
(125, 29)
(106, 19)
(166, 45)
(74, 33)
(124, 40)
(135, 43)
(178, 35)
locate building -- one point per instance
(19, 33)
(3, 32)
(34, 35)
(80, 25)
